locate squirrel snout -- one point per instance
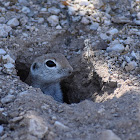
(70, 70)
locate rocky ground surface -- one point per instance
(101, 40)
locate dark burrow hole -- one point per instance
(75, 88)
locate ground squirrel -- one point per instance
(47, 71)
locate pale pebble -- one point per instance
(107, 22)
(53, 20)
(58, 27)
(94, 26)
(137, 22)
(9, 66)
(76, 18)
(7, 99)
(109, 135)
(54, 10)
(138, 15)
(104, 36)
(71, 10)
(2, 52)
(134, 54)
(8, 59)
(40, 20)
(131, 66)
(23, 2)
(1, 129)
(84, 2)
(85, 21)
(127, 59)
(26, 10)
(43, 9)
(60, 125)
(97, 3)
(123, 64)
(116, 47)
(2, 20)
(113, 31)
(37, 126)
(4, 30)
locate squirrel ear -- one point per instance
(35, 66)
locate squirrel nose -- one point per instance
(70, 70)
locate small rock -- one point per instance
(113, 31)
(1, 110)
(2, 52)
(123, 64)
(37, 127)
(4, 30)
(104, 36)
(53, 20)
(84, 2)
(118, 19)
(64, 22)
(58, 27)
(137, 22)
(26, 10)
(85, 21)
(134, 54)
(8, 59)
(24, 20)
(127, 48)
(25, 34)
(138, 15)
(24, 93)
(13, 22)
(116, 47)
(43, 10)
(9, 66)
(7, 99)
(97, 3)
(16, 119)
(94, 26)
(82, 13)
(2, 9)
(23, 2)
(107, 22)
(54, 10)
(109, 135)
(128, 40)
(1, 129)
(127, 59)
(2, 20)
(60, 125)
(131, 66)
(6, 4)
(31, 49)
(40, 20)
(76, 18)
(71, 10)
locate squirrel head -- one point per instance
(50, 68)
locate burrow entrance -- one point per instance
(84, 83)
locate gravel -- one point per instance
(106, 69)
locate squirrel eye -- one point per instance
(50, 63)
